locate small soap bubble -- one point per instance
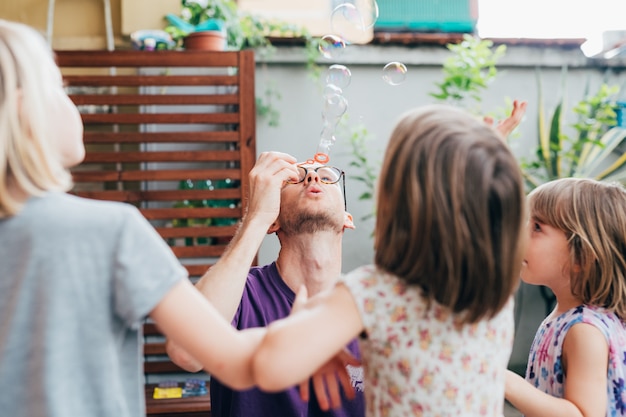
(335, 105)
(346, 22)
(330, 90)
(368, 9)
(338, 75)
(350, 19)
(328, 132)
(394, 73)
(331, 46)
(324, 146)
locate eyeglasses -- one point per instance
(327, 175)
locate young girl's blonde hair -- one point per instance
(29, 158)
(592, 214)
(450, 211)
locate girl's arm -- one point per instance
(186, 317)
(296, 346)
(585, 361)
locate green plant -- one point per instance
(468, 72)
(196, 14)
(587, 148)
(467, 75)
(194, 222)
(367, 171)
(243, 31)
(265, 104)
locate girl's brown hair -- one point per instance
(450, 211)
(592, 214)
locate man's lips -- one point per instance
(313, 189)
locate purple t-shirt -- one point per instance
(266, 298)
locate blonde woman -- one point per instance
(64, 258)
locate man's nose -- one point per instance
(311, 176)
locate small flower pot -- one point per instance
(205, 40)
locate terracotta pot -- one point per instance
(206, 40)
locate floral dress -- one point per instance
(545, 366)
(419, 359)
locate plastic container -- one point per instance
(620, 111)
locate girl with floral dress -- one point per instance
(434, 313)
(577, 248)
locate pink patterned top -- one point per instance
(420, 360)
(545, 361)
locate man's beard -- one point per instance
(306, 222)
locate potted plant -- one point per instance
(202, 24)
(241, 30)
(588, 148)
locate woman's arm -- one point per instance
(190, 321)
(296, 346)
(585, 360)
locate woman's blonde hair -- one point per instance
(592, 214)
(29, 159)
(450, 211)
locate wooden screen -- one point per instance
(173, 133)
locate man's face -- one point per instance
(312, 205)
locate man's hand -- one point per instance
(325, 381)
(267, 178)
(506, 126)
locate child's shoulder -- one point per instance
(606, 321)
(369, 276)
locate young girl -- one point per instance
(64, 258)
(435, 312)
(577, 248)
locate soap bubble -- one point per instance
(335, 105)
(328, 134)
(356, 15)
(330, 90)
(331, 46)
(349, 20)
(394, 73)
(338, 75)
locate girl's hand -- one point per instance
(506, 126)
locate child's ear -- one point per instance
(348, 222)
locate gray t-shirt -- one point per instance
(77, 276)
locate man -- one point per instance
(305, 206)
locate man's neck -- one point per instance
(311, 259)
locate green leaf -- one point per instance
(600, 152)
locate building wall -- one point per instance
(80, 24)
(378, 105)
